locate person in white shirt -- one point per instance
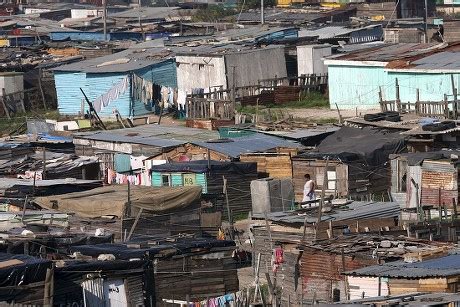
(309, 189)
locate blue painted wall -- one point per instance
(177, 180)
(68, 86)
(432, 86)
(353, 87)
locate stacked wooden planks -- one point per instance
(271, 164)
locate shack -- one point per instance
(425, 180)
(180, 269)
(131, 82)
(428, 273)
(215, 178)
(285, 231)
(357, 163)
(228, 66)
(394, 70)
(25, 279)
(136, 210)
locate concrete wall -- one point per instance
(310, 59)
(84, 13)
(11, 82)
(200, 72)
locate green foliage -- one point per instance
(255, 4)
(310, 100)
(212, 13)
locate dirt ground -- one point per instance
(321, 113)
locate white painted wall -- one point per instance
(310, 59)
(200, 72)
(84, 13)
(367, 286)
(11, 82)
(32, 10)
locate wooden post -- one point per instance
(454, 92)
(454, 206)
(49, 288)
(5, 108)
(40, 87)
(340, 115)
(44, 164)
(398, 100)
(321, 201)
(24, 207)
(417, 102)
(229, 215)
(383, 107)
(92, 110)
(138, 216)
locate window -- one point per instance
(166, 180)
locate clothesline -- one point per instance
(227, 300)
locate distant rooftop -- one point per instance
(390, 52)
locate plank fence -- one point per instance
(444, 109)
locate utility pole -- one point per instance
(140, 22)
(262, 13)
(104, 17)
(426, 21)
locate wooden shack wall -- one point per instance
(321, 273)
(316, 168)
(271, 165)
(200, 276)
(191, 152)
(287, 274)
(426, 285)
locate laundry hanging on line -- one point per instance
(111, 95)
(144, 90)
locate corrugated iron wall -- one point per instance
(321, 273)
(439, 183)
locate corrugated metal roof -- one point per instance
(151, 135)
(439, 267)
(124, 61)
(248, 144)
(166, 136)
(135, 59)
(390, 52)
(355, 210)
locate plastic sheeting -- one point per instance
(203, 166)
(110, 200)
(18, 270)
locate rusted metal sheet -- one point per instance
(321, 273)
(439, 183)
